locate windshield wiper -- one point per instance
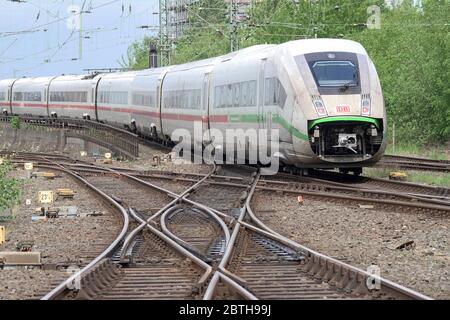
(345, 86)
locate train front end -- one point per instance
(339, 105)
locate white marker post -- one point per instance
(46, 198)
(28, 166)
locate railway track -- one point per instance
(270, 266)
(158, 264)
(347, 180)
(170, 250)
(413, 163)
(225, 188)
(98, 251)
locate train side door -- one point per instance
(263, 114)
(94, 96)
(205, 109)
(10, 96)
(159, 106)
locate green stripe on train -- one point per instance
(251, 118)
(276, 118)
(373, 121)
(292, 130)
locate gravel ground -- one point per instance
(60, 240)
(363, 237)
(25, 284)
(145, 162)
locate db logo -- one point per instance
(342, 109)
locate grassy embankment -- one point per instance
(433, 178)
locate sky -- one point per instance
(42, 37)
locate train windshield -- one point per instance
(335, 73)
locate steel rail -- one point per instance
(127, 242)
(265, 230)
(174, 210)
(180, 249)
(390, 157)
(306, 187)
(229, 249)
(106, 253)
(354, 189)
(221, 223)
(442, 207)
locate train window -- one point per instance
(236, 94)
(114, 97)
(216, 97)
(335, 73)
(282, 95)
(240, 94)
(194, 98)
(32, 96)
(142, 99)
(171, 100)
(274, 95)
(66, 96)
(2, 96)
(269, 92)
(229, 96)
(252, 93)
(198, 99)
(27, 96)
(18, 96)
(244, 94)
(222, 97)
(178, 99)
(166, 98)
(187, 103)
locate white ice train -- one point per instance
(323, 95)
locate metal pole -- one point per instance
(152, 56)
(393, 137)
(81, 37)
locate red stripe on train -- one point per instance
(72, 106)
(167, 116)
(29, 105)
(218, 118)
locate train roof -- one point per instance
(295, 47)
(144, 72)
(6, 82)
(305, 46)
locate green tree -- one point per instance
(411, 50)
(15, 122)
(412, 54)
(9, 188)
(138, 54)
(207, 34)
(284, 20)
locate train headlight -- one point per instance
(365, 105)
(320, 108)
